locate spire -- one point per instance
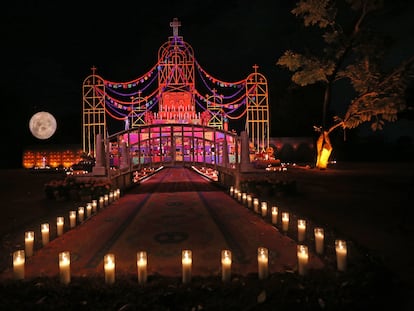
(174, 25)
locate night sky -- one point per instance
(49, 47)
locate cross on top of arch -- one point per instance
(174, 25)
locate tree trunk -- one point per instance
(324, 149)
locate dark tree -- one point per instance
(351, 52)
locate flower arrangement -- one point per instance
(72, 188)
(268, 187)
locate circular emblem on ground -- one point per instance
(174, 203)
(171, 237)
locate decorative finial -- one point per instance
(174, 25)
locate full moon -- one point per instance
(42, 125)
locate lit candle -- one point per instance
(72, 219)
(118, 193)
(249, 201)
(81, 213)
(59, 225)
(275, 212)
(319, 240)
(301, 230)
(45, 233)
(186, 263)
(256, 205)
(264, 209)
(109, 267)
(239, 196)
(244, 198)
(101, 202)
(88, 210)
(28, 243)
(18, 264)
(225, 265)
(111, 197)
(303, 259)
(231, 191)
(142, 267)
(341, 253)
(285, 221)
(106, 199)
(64, 267)
(94, 206)
(235, 193)
(262, 261)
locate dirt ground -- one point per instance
(368, 203)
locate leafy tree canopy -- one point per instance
(353, 52)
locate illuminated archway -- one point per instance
(167, 93)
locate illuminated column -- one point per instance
(225, 153)
(99, 168)
(244, 156)
(124, 156)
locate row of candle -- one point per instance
(319, 236)
(91, 208)
(65, 272)
(109, 265)
(186, 260)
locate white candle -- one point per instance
(81, 213)
(94, 206)
(18, 264)
(239, 196)
(72, 219)
(186, 265)
(275, 212)
(341, 253)
(59, 225)
(235, 193)
(118, 193)
(88, 210)
(64, 267)
(249, 201)
(244, 198)
(101, 202)
(45, 233)
(319, 240)
(256, 205)
(301, 230)
(225, 265)
(142, 267)
(262, 261)
(111, 197)
(109, 267)
(106, 199)
(264, 209)
(285, 221)
(231, 191)
(28, 243)
(303, 259)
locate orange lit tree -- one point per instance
(354, 53)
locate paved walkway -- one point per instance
(173, 210)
